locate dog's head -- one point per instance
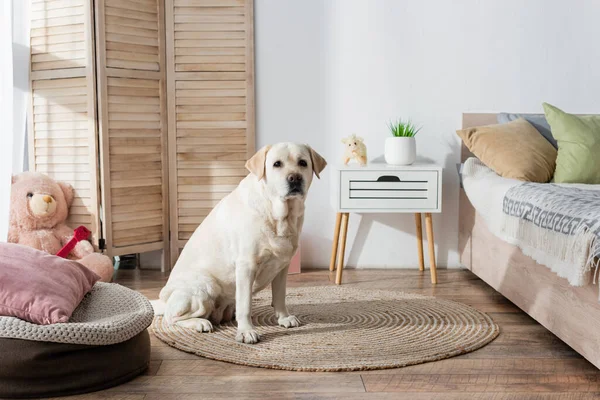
(286, 168)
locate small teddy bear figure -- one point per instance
(355, 149)
(39, 210)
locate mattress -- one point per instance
(558, 225)
(486, 189)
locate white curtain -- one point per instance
(14, 89)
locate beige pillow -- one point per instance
(513, 150)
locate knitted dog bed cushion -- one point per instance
(108, 314)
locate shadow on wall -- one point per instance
(405, 222)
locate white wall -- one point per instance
(20, 47)
(328, 68)
(6, 115)
(14, 87)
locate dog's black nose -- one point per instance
(294, 178)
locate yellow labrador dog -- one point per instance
(243, 245)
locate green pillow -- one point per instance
(578, 159)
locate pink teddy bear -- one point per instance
(39, 209)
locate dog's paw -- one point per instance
(198, 324)
(289, 322)
(249, 336)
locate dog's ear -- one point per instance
(256, 164)
(318, 162)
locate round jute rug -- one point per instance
(344, 329)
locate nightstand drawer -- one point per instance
(389, 190)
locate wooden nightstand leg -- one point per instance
(340, 257)
(336, 241)
(429, 228)
(420, 241)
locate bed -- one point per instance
(570, 312)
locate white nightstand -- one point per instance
(382, 188)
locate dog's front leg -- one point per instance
(278, 289)
(245, 273)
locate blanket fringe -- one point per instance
(572, 257)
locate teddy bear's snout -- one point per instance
(42, 204)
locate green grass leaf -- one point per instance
(400, 128)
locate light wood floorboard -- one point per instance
(525, 362)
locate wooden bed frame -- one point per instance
(571, 313)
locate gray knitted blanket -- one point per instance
(108, 314)
(562, 224)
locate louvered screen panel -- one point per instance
(133, 128)
(211, 105)
(62, 131)
(131, 29)
(58, 34)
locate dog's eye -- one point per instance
(355, 143)
(349, 144)
(277, 164)
(30, 195)
(302, 163)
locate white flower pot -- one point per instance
(400, 150)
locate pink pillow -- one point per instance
(39, 287)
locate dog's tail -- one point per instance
(177, 304)
(159, 307)
(194, 300)
(172, 304)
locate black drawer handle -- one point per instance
(388, 178)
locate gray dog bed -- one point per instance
(104, 344)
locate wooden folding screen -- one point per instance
(133, 125)
(62, 129)
(115, 83)
(210, 80)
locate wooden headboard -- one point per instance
(466, 212)
(470, 120)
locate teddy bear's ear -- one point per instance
(68, 192)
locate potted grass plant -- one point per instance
(401, 148)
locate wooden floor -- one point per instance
(524, 362)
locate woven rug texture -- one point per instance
(343, 329)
